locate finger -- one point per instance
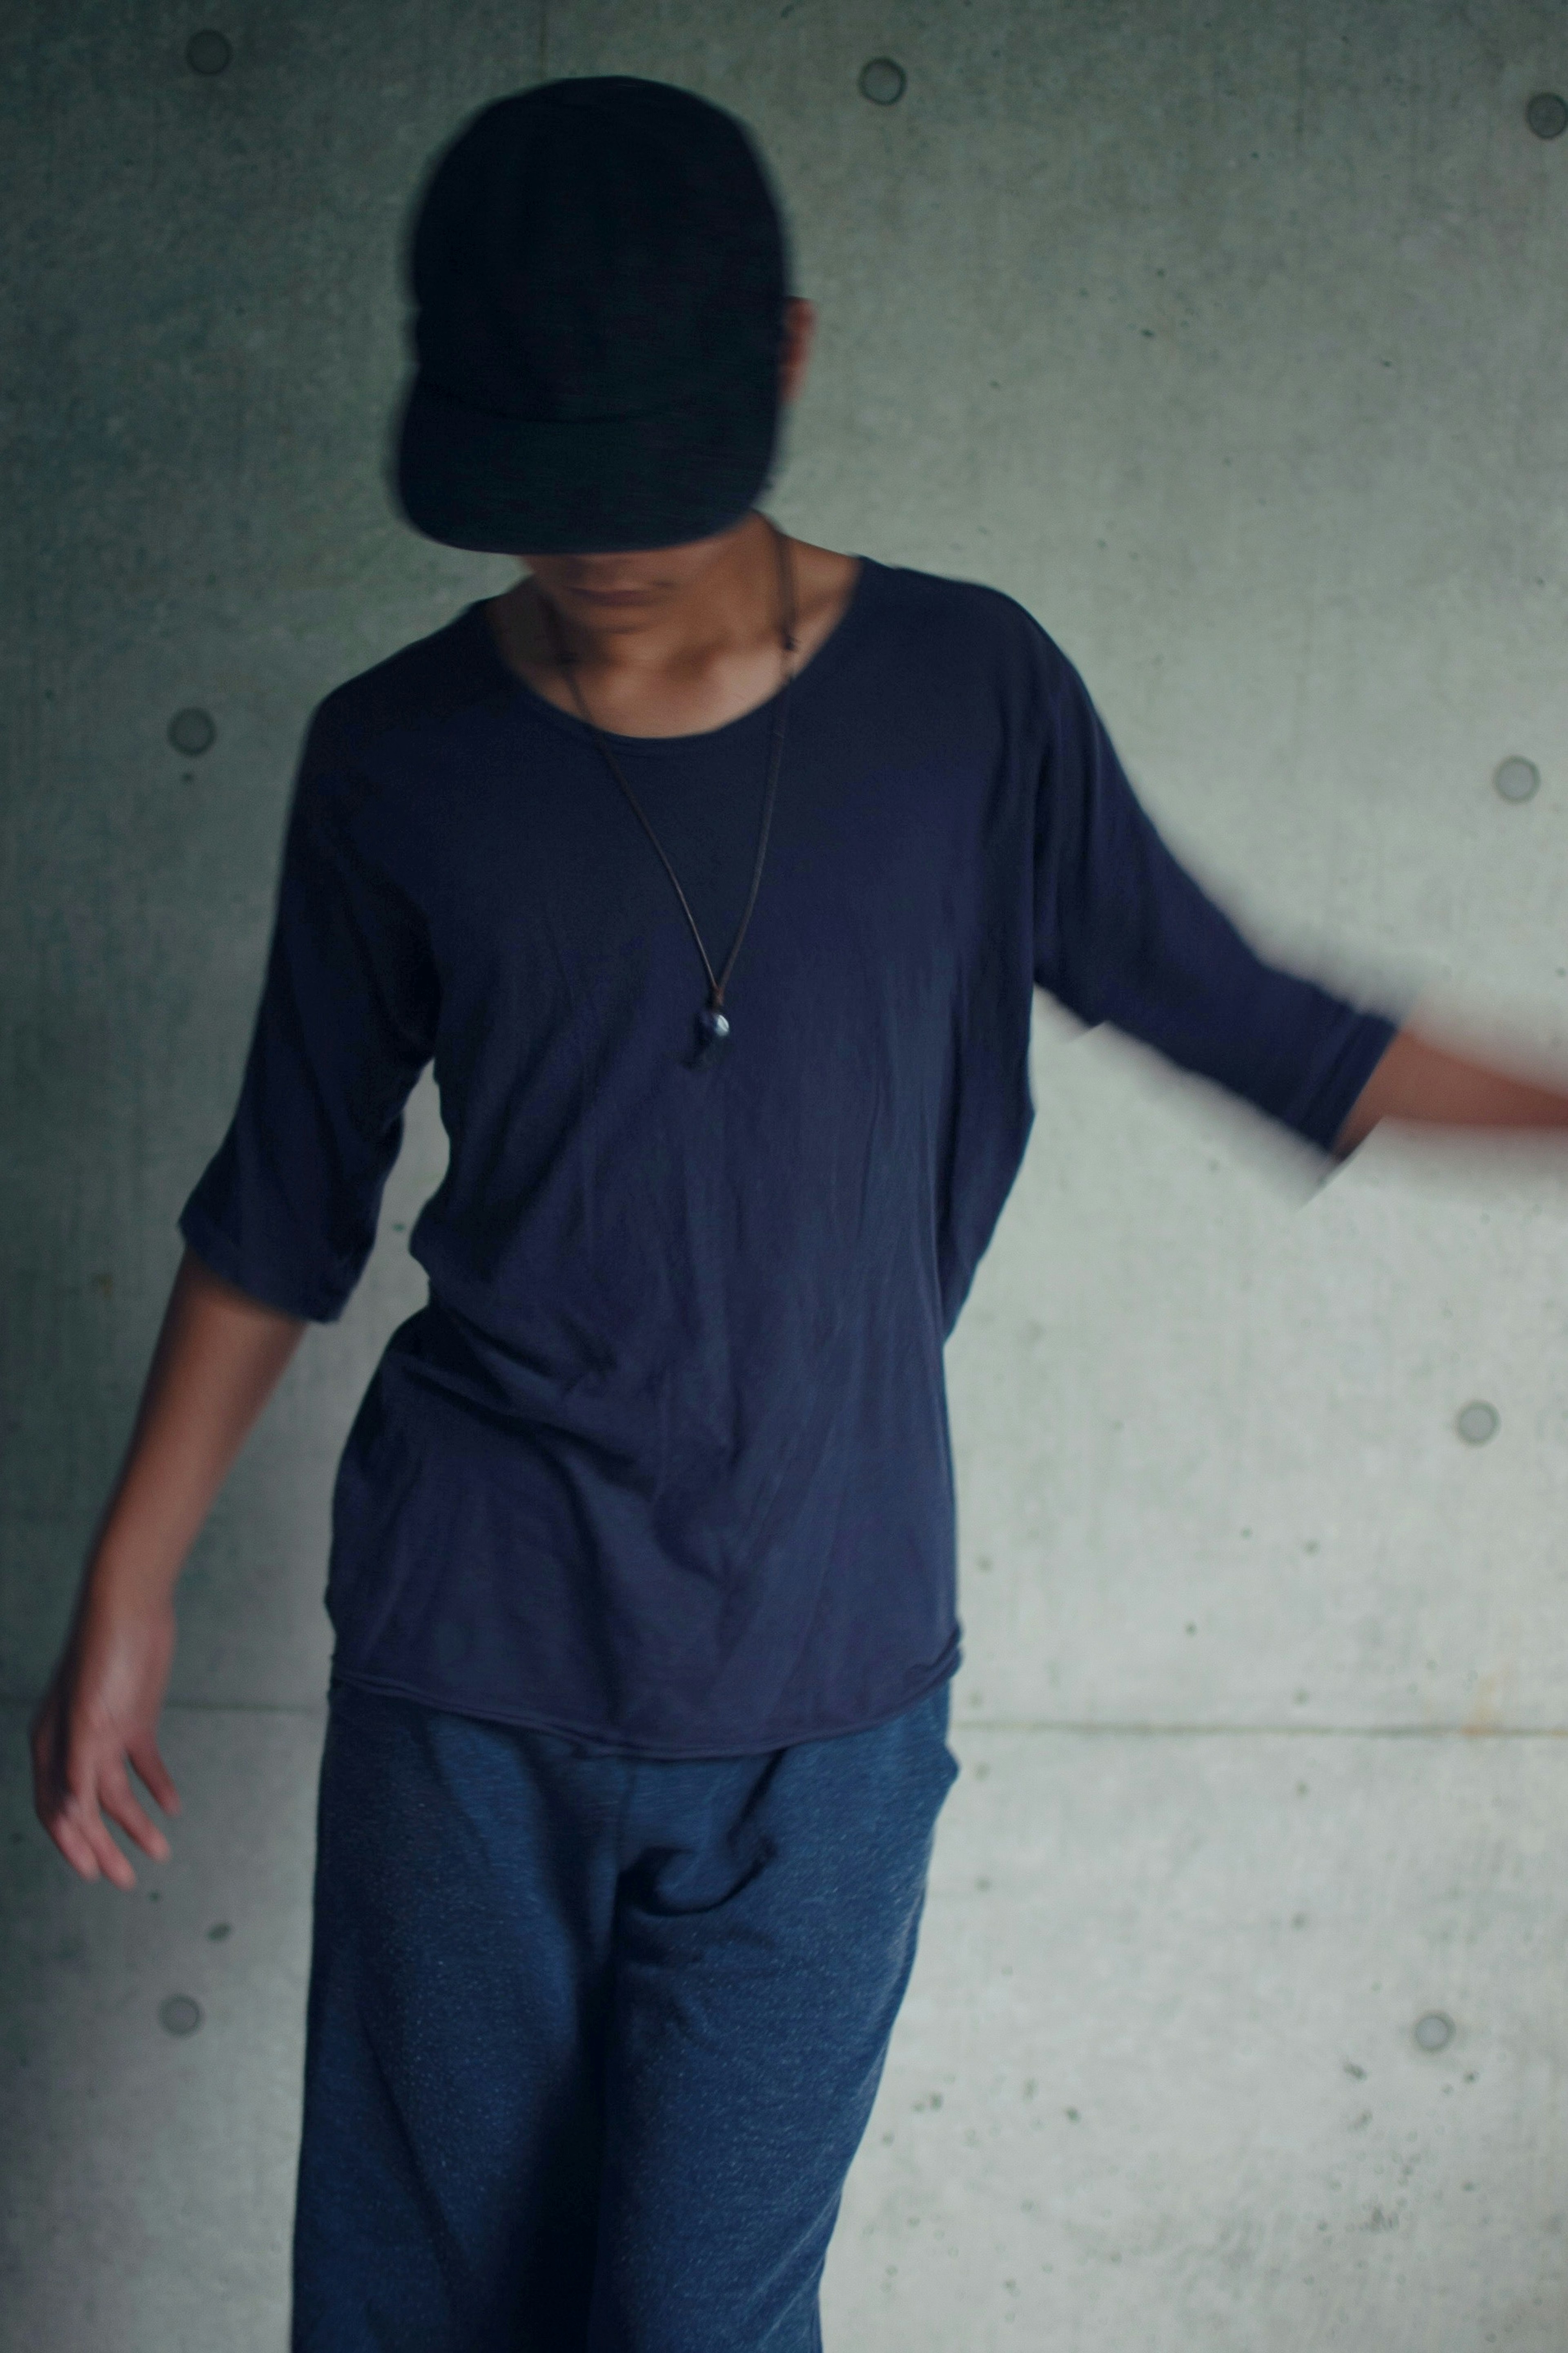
(72, 1845)
(118, 1799)
(68, 1807)
(41, 1732)
(55, 1808)
(47, 1747)
(82, 1815)
(115, 1867)
(144, 1756)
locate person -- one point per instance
(715, 872)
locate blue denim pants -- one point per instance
(593, 2037)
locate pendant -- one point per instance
(712, 1036)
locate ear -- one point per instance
(799, 327)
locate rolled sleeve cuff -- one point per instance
(260, 1276)
(1335, 1096)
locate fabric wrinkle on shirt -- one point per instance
(664, 1462)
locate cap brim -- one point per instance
(520, 486)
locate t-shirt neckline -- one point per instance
(538, 706)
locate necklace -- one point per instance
(712, 1022)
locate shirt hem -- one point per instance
(607, 1743)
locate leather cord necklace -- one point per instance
(712, 1022)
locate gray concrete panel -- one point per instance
(1210, 1470)
(147, 2177)
(1157, 2082)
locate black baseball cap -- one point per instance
(600, 267)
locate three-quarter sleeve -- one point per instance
(287, 1209)
(1124, 935)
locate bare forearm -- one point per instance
(1422, 1081)
(219, 1356)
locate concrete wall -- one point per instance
(1229, 339)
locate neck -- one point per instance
(699, 651)
(664, 611)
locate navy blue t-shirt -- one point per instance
(664, 1462)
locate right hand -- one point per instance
(100, 1716)
(219, 1358)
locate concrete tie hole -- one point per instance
(192, 733)
(1518, 780)
(883, 81)
(207, 53)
